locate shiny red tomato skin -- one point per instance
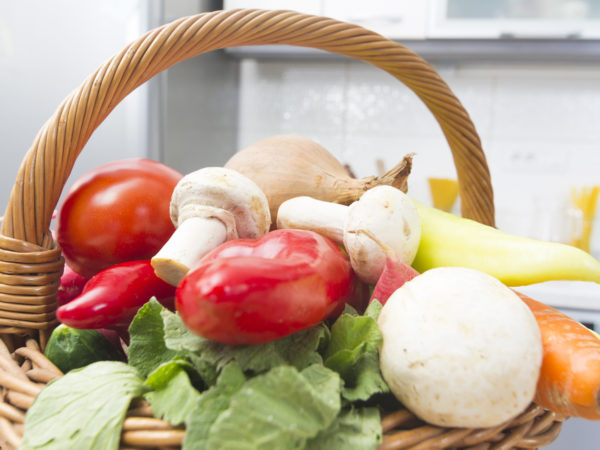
(116, 212)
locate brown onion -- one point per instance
(288, 166)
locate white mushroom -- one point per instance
(383, 217)
(460, 349)
(208, 207)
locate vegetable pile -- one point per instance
(290, 302)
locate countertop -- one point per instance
(566, 294)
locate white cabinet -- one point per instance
(514, 19)
(518, 30)
(399, 19)
(455, 19)
(305, 6)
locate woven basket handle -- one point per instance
(48, 163)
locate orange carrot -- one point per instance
(569, 381)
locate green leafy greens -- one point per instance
(211, 404)
(280, 409)
(89, 404)
(173, 397)
(147, 349)
(305, 391)
(354, 428)
(298, 350)
(353, 352)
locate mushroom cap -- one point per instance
(460, 349)
(383, 217)
(224, 194)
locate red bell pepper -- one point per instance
(252, 291)
(112, 297)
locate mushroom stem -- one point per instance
(383, 212)
(307, 213)
(209, 207)
(194, 238)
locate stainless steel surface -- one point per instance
(480, 50)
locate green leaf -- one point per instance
(353, 332)
(353, 352)
(84, 409)
(281, 409)
(326, 383)
(365, 379)
(147, 349)
(210, 405)
(298, 350)
(173, 397)
(374, 309)
(349, 309)
(356, 428)
(207, 371)
(177, 337)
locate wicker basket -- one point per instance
(31, 263)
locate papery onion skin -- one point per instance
(288, 166)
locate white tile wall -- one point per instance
(539, 125)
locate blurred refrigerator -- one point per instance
(47, 49)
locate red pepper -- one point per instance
(71, 285)
(252, 291)
(111, 298)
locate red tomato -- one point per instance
(116, 212)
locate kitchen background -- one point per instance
(534, 100)
(527, 71)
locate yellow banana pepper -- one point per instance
(449, 240)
